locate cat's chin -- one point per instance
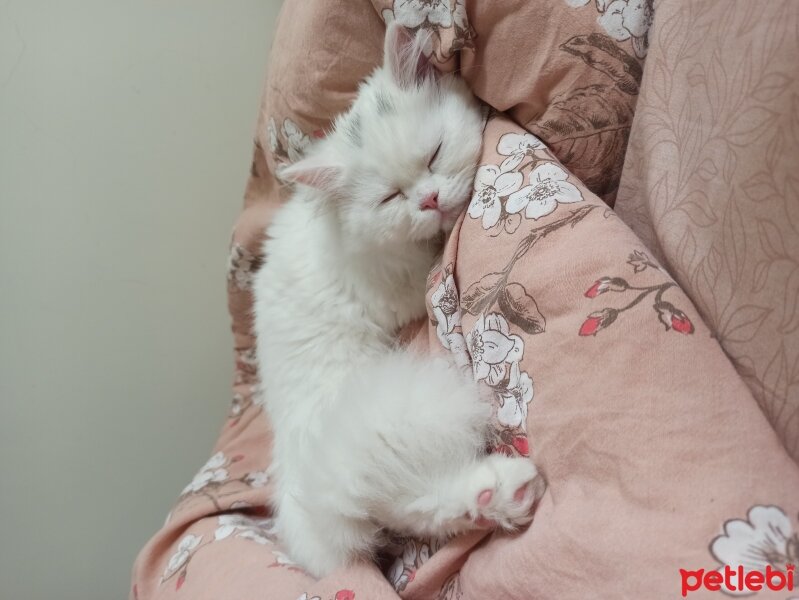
(437, 232)
(449, 219)
(433, 238)
(441, 223)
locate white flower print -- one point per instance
(228, 524)
(282, 560)
(403, 569)
(490, 184)
(764, 538)
(241, 267)
(246, 365)
(271, 130)
(515, 398)
(398, 575)
(491, 345)
(256, 536)
(415, 552)
(258, 479)
(459, 15)
(516, 146)
(548, 188)
(261, 531)
(297, 141)
(305, 596)
(186, 546)
(457, 345)
(625, 19)
(213, 471)
(413, 13)
(246, 357)
(446, 309)
(239, 404)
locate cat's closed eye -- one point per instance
(391, 197)
(434, 157)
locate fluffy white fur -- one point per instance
(368, 437)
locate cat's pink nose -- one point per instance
(430, 202)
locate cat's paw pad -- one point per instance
(508, 499)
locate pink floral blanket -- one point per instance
(646, 359)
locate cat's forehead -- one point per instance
(382, 99)
(391, 134)
(386, 119)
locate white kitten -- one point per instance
(368, 437)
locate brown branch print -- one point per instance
(514, 301)
(669, 315)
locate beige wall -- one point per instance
(125, 132)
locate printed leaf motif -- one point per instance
(521, 309)
(686, 249)
(480, 293)
(602, 53)
(592, 109)
(775, 151)
(776, 377)
(697, 75)
(716, 83)
(708, 170)
(770, 86)
(760, 187)
(706, 280)
(734, 241)
(730, 164)
(744, 323)
(588, 131)
(698, 208)
(714, 262)
(770, 239)
(483, 293)
(750, 124)
(451, 589)
(792, 208)
(790, 320)
(795, 116)
(761, 275)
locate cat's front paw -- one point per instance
(506, 491)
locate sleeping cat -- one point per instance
(368, 437)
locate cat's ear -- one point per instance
(313, 172)
(404, 57)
